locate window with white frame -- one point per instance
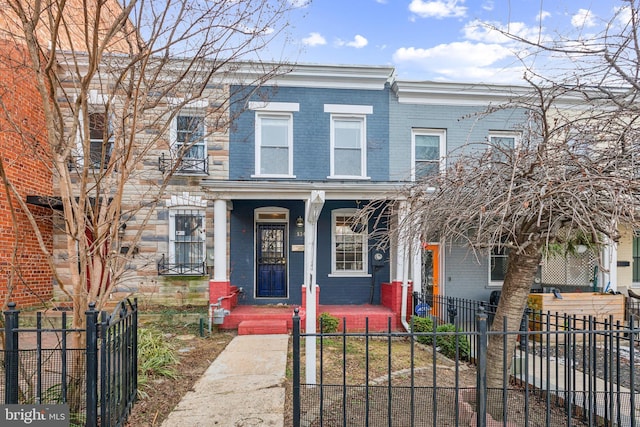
(503, 142)
(274, 144)
(187, 241)
(347, 146)
(498, 266)
(100, 139)
(349, 243)
(429, 147)
(189, 142)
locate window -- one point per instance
(100, 139)
(190, 136)
(348, 140)
(498, 267)
(429, 147)
(189, 143)
(502, 142)
(349, 243)
(274, 144)
(187, 240)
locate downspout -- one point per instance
(405, 289)
(405, 272)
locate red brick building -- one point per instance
(24, 267)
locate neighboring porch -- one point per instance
(278, 318)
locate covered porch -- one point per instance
(278, 318)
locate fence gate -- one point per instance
(98, 382)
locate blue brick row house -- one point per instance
(308, 152)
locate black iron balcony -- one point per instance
(167, 268)
(185, 165)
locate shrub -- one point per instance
(423, 324)
(328, 323)
(446, 344)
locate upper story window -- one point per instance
(190, 140)
(189, 143)
(100, 139)
(429, 148)
(274, 138)
(348, 140)
(349, 243)
(274, 144)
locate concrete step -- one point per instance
(262, 327)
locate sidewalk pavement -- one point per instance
(243, 387)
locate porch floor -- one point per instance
(353, 315)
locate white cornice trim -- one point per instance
(283, 190)
(439, 93)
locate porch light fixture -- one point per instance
(299, 222)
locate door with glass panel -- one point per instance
(271, 260)
(430, 275)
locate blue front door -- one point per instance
(271, 258)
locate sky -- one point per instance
(438, 40)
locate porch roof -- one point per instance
(280, 190)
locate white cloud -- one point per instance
(492, 32)
(488, 5)
(622, 15)
(357, 42)
(542, 16)
(438, 8)
(381, 1)
(583, 19)
(454, 55)
(314, 39)
(461, 61)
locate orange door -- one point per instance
(430, 273)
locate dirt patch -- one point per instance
(162, 394)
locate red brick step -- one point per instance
(262, 327)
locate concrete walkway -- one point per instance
(243, 387)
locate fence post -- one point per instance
(296, 368)
(452, 310)
(92, 365)
(481, 382)
(524, 327)
(11, 322)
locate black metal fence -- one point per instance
(93, 370)
(567, 371)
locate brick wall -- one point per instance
(23, 148)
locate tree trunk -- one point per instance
(521, 272)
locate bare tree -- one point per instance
(573, 174)
(111, 75)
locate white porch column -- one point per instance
(610, 261)
(220, 241)
(313, 207)
(402, 258)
